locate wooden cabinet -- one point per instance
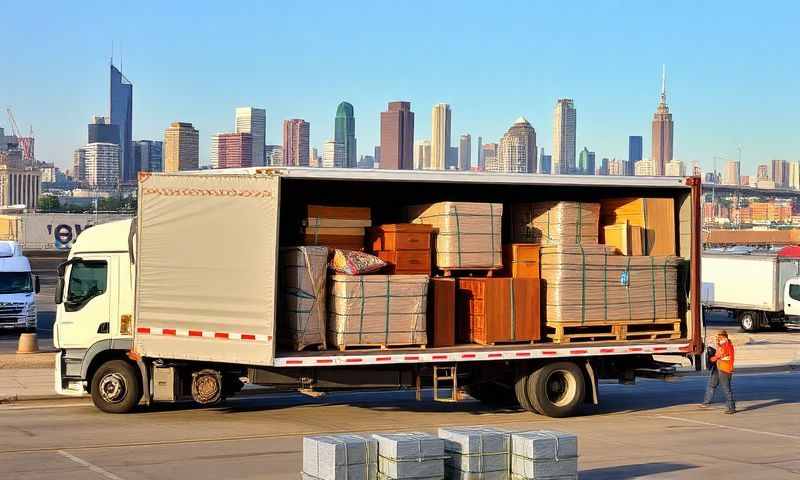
(442, 312)
(406, 247)
(521, 260)
(406, 261)
(498, 310)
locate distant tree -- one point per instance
(49, 203)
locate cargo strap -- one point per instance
(665, 286)
(578, 221)
(513, 310)
(458, 234)
(347, 463)
(647, 246)
(361, 316)
(583, 284)
(605, 284)
(491, 222)
(653, 284)
(386, 317)
(628, 287)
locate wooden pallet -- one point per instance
(574, 332)
(379, 346)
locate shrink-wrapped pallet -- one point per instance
(468, 235)
(410, 455)
(590, 284)
(476, 450)
(304, 271)
(544, 454)
(553, 223)
(340, 457)
(380, 310)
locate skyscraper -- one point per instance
(675, 168)
(345, 133)
(662, 131)
(101, 130)
(366, 161)
(181, 147)
(451, 159)
(397, 137)
(586, 162)
(780, 173)
(545, 162)
(422, 155)
(254, 122)
(480, 155)
(148, 155)
(465, 152)
(296, 140)
(79, 165)
(121, 95)
(490, 157)
(273, 155)
(232, 150)
(334, 154)
(603, 168)
(635, 148)
(440, 136)
(644, 168)
(564, 133)
(516, 148)
(732, 173)
(762, 173)
(102, 165)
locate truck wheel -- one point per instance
(491, 394)
(748, 321)
(521, 390)
(116, 387)
(557, 389)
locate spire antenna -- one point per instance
(663, 83)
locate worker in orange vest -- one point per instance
(721, 373)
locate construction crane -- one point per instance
(25, 143)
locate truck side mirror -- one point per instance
(60, 290)
(37, 285)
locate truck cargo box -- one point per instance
(748, 281)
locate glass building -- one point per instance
(121, 93)
(345, 133)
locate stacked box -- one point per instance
(552, 223)
(590, 284)
(467, 235)
(304, 271)
(544, 454)
(476, 452)
(656, 217)
(377, 310)
(627, 239)
(336, 227)
(340, 457)
(410, 455)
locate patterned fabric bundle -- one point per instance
(551, 223)
(351, 262)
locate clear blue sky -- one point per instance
(732, 68)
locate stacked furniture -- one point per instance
(336, 227)
(555, 223)
(406, 247)
(498, 310)
(656, 217)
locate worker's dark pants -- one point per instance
(723, 380)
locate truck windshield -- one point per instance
(16, 282)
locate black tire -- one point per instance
(557, 389)
(116, 387)
(521, 391)
(748, 321)
(491, 394)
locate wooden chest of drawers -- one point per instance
(406, 247)
(498, 310)
(521, 260)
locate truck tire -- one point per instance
(557, 389)
(748, 321)
(521, 391)
(116, 387)
(491, 394)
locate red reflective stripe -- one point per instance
(578, 352)
(523, 354)
(324, 360)
(439, 357)
(354, 360)
(294, 362)
(195, 333)
(606, 350)
(168, 331)
(411, 358)
(659, 349)
(247, 336)
(220, 335)
(143, 330)
(549, 352)
(468, 355)
(383, 359)
(495, 355)
(634, 349)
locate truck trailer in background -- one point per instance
(53, 232)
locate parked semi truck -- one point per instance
(182, 302)
(759, 289)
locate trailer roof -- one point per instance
(432, 176)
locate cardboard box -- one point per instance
(656, 216)
(544, 454)
(410, 455)
(627, 239)
(497, 310)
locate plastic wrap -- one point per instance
(304, 271)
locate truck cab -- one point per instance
(18, 289)
(94, 307)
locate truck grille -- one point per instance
(10, 312)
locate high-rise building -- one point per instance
(762, 173)
(345, 133)
(780, 173)
(440, 136)
(149, 155)
(102, 165)
(366, 161)
(465, 152)
(232, 150)
(451, 159)
(334, 155)
(181, 147)
(603, 168)
(634, 148)
(273, 155)
(675, 168)
(121, 94)
(377, 156)
(644, 168)
(732, 173)
(545, 163)
(19, 186)
(101, 130)
(254, 122)
(397, 137)
(79, 165)
(314, 159)
(296, 142)
(490, 157)
(516, 146)
(794, 175)
(422, 155)
(586, 162)
(564, 136)
(480, 166)
(662, 131)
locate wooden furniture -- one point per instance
(627, 239)
(406, 261)
(498, 310)
(336, 227)
(406, 247)
(442, 312)
(656, 217)
(521, 260)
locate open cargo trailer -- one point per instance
(206, 302)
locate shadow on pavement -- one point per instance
(633, 471)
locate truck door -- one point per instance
(791, 297)
(85, 312)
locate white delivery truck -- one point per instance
(18, 289)
(182, 302)
(759, 289)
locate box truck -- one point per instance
(18, 289)
(182, 303)
(759, 289)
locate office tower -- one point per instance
(345, 133)
(603, 168)
(181, 147)
(334, 155)
(662, 131)
(79, 165)
(366, 161)
(148, 155)
(480, 164)
(232, 150)
(465, 152)
(634, 148)
(422, 155)
(440, 136)
(780, 173)
(377, 155)
(296, 139)
(253, 121)
(101, 130)
(628, 168)
(586, 162)
(314, 160)
(273, 155)
(794, 175)
(397, 137)
(490, 157)
(102, 165)
(762, 173)
(676, 168)
(451, 159)
(545, 163)
(644, 168)
(564, 131)
(615, 168)
(121, 94)
(515, 149)
(732, 173)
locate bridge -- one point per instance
(748, 191)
